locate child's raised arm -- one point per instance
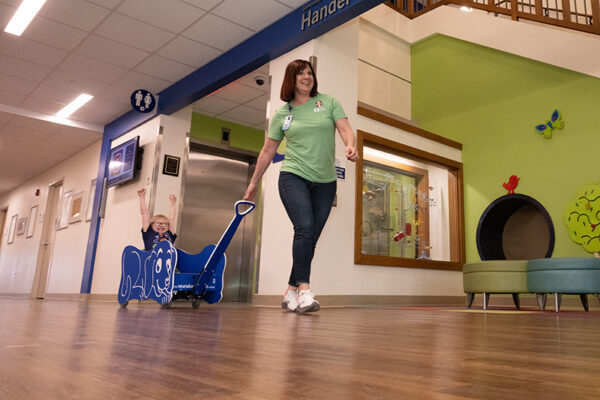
(172, 213)
(144, 209)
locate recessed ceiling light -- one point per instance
(466, 9)
(74, 105)
(25, 13)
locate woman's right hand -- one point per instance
(141, 192)
(250, 192)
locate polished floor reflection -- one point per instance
(95, 350)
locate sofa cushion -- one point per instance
(564, 275)
(496, 276)
(496, 266)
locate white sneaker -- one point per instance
(290, 300)
(307, 302)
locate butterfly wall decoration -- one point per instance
(555, 122)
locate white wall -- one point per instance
(120, 227)
(175, 129)
(384, 70)
(334, 271)
(18, 260)
(566, 48)
(122, 223)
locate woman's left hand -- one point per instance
(351, 153)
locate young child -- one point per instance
(159, 227)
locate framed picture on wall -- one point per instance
(31, 221)
(12, 229)
(171, 165)
(21, 225)
(76, 210)
(65, 208)
(90, 200)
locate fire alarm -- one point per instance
(37, 192)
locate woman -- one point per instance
(307, 181)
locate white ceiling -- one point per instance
(109, 48)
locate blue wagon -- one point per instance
(165, 274)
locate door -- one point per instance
(213, 184)
(3, 213)
(47, 241)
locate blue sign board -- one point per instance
(341, 172)
(142, 101)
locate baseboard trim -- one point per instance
(82, 297)
(16, 295)
(368, 301)
(496, 300)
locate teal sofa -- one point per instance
(563, 276)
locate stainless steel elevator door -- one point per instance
(212, 186)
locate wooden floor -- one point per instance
(94, 350)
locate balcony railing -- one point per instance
(582, 15)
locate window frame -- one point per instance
(455, 199)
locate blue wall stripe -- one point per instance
(275, 40)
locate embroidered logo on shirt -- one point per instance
(318, 106)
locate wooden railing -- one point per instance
(582, 15)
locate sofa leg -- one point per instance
(470, 297)
(541, 300)
(486, 300)
(557, 300)
(584, 301)
(516, 300)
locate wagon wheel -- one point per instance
(196, 302)
(167, 305)
(124, 305)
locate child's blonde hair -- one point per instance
(158, 217)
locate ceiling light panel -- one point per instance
(74, 105)
(23, 16)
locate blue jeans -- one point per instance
(308, 205)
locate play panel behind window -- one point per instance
(410, 208)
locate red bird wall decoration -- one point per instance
(513, 181)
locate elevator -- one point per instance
(215, 179)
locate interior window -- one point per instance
(410, 207)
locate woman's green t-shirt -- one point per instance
(310, 139)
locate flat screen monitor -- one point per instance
(123, 162)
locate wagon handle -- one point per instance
(239, 203)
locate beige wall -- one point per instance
(334, 271)
(579, 51)
(122, 222)
(18, 260)
(120, 227)
(383, 70)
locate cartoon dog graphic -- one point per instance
(148, 274)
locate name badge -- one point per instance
(286, 123)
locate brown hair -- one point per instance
(289, 79)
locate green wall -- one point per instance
(209, 129)
(490, 101)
